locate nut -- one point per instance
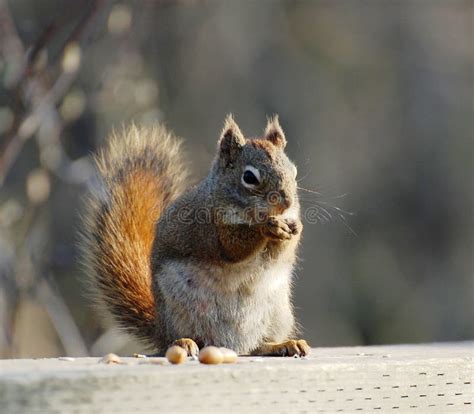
(176, 355)
(230, 356)
(111, 359)
(211, 355)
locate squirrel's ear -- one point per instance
(274, 133)
(231, 140)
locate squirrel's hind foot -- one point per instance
(298, 347)
(188, 345)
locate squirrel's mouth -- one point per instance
(260, 214)
(278, 201)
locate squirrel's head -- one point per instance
(254, 174)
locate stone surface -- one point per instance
(435, 378)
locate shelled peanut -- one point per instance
(230, 356)
(213, 355)
(176, 355)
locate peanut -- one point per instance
(211, 355)
(176, 355)
(111, 359)
(229, 355)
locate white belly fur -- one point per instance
(234, 309)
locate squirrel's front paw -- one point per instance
(188, 345)
(279, 229)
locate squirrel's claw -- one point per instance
(292, 347)
(295, 227)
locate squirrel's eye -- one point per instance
(250, 177)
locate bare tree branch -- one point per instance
(49, 96)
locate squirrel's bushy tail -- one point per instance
(140, 172)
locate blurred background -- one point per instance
(376, 99)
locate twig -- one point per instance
(31, 122)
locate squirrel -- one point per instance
(206, 265)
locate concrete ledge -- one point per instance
(434, 378)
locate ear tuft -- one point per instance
(231, 140)
(274, 133)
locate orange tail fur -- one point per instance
(140, 173)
